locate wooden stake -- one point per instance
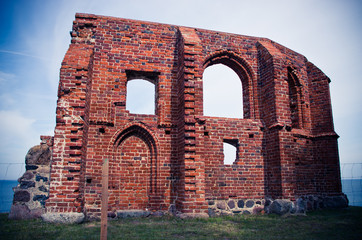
(104, 207)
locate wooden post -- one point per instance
(104, 207)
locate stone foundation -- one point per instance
(304, 204)
(33, 188)
(277, 206)
(235, 206)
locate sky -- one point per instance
(35, 37)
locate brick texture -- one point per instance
(286, 144)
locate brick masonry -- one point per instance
(286, 144)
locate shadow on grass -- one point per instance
(325, 224)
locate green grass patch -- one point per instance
(325, 224)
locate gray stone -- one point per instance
(293, 209)
(211, 202)
(237, 211)
(280, 207)
(38, 178)
(172, 209)
(44, 169)
(225, 213)
(31, 167)
(192, 215)
(249, 203)
(111, 215)
(211, 212)
(26, 176)
(231, 204)
(158, 214)
(221, 205)
(38, 155)
(267, 202)
(41, 199)
(68, 218)
(36, 213)
(300, 206)
(240, 204)
(21, 196)
(336, 202)
(43, 189)
(19, 211)
(26, 184)
(132, 213)
(246, 212)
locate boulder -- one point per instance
(300, 206)
(240, 204)
(336, 202)
(21, 211)
(68, 218)
(172, 209)
(281, 206)
(21, 196)
(192, 215)
(38, 155)
(249, 203)
(211, 212)
(231, 204)
(132, 213)
(18, 212)
(221, 205)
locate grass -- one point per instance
(325, 224)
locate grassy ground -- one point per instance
(327, 224)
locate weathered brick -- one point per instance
(285, 142)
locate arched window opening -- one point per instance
(140, 97)
(230, 150)
(222, 92)
(294, 99)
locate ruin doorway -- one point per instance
(130, 176)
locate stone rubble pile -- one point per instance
(33, 188)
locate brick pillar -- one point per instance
(325, 152)
(280, 179)
(65, 194)
(192, 168)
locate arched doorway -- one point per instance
(133, 170)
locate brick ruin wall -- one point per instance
(173, 159)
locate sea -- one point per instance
(6, 194)
(351, 187)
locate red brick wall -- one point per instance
(176, 156)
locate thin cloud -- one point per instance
(4, 77)
(22, 54)
(15, 128)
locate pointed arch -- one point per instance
(225, 100)
(295, 98)
(134, 169)
(142, 133)
(245, 73)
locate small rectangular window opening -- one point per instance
(230, 151)
(141, 93)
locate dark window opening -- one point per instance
(294, 89)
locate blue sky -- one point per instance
(35, 37)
